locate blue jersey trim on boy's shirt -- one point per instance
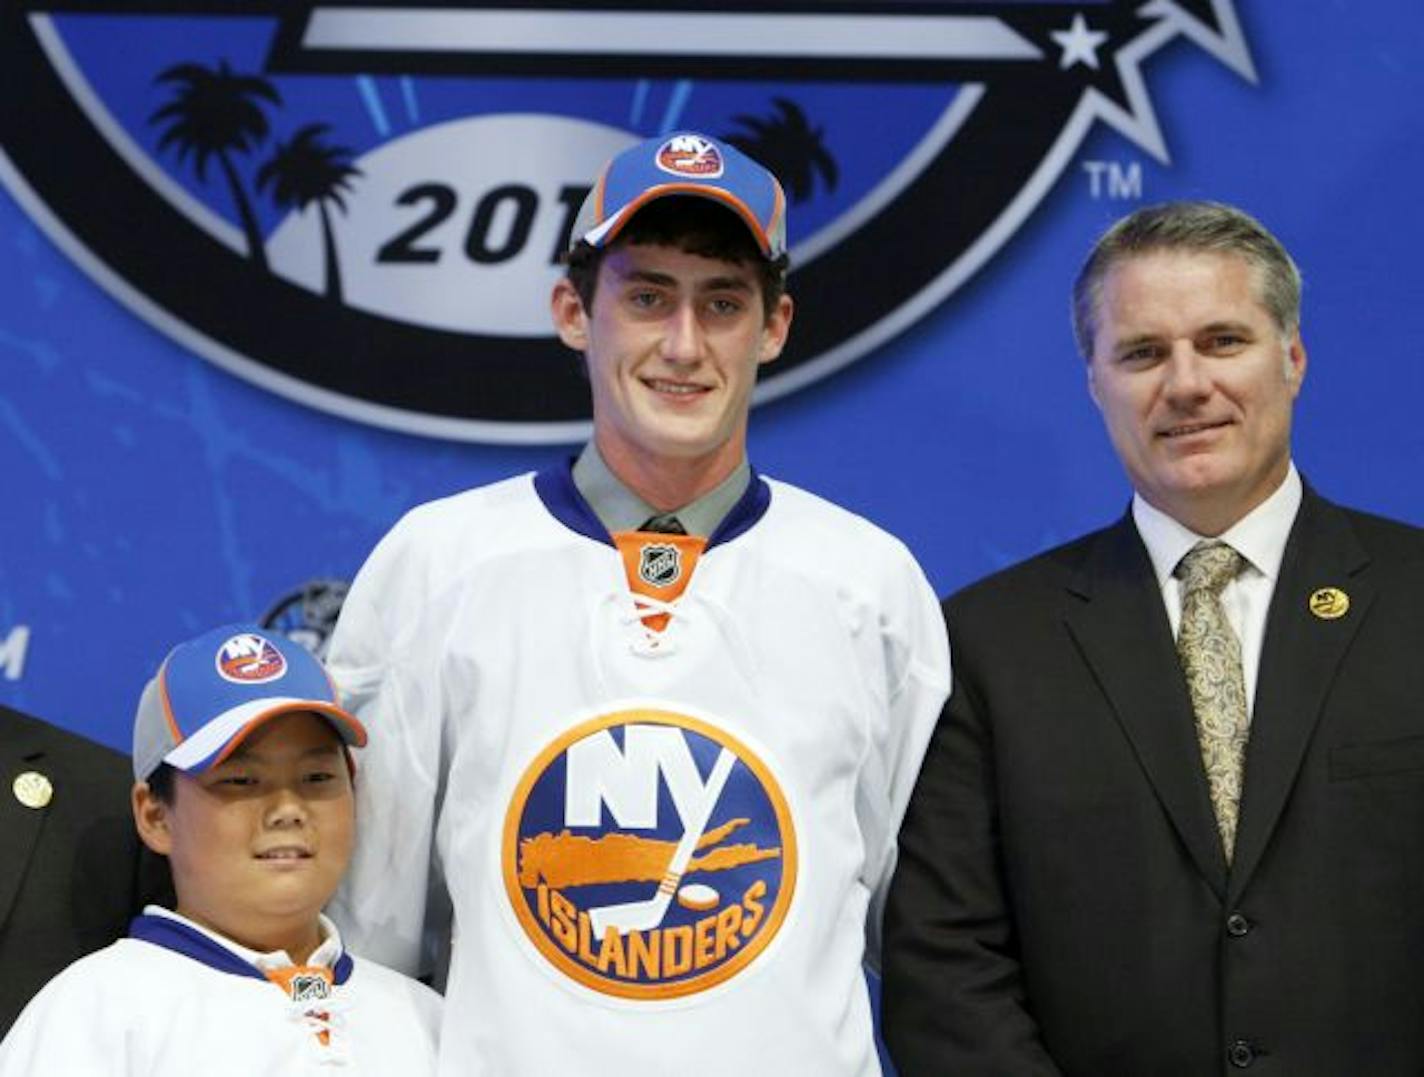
(555, 487)
(181, 939)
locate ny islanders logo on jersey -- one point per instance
(249, 659)
(363, 206)
(648, 854)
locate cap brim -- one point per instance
(220, 737)
(603, 234)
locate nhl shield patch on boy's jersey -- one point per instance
(649, 854)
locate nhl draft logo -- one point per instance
(689, 155)
(649, 855)
(363, 207)
(308, 614)
(249, 659)
(660, 564)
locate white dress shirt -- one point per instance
(1259, 536)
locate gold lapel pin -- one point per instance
(1328, 603)
(33, 789)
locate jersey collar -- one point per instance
(172, 932)
(556, 489)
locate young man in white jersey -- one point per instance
(244, 784)
(646, 721)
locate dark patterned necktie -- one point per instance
(1211, 660)
(663, 524)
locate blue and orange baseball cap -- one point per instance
(685, 163)
(213, 691)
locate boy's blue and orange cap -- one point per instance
(685, 163)
(213, 691)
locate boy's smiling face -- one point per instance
(258, 843)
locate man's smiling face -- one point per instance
(1196, 384)
(673, 342)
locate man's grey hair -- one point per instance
(1202, 227)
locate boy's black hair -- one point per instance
(160, 783)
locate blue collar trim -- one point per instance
(750, 508)
(181, 939)
(555, 487)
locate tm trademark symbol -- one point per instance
(1114, 180)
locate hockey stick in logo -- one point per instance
(645, 915)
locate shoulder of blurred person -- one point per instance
(72, 870)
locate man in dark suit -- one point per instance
(1172, 821)
(71, 870)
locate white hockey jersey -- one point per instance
(177, 999)
(661, 849)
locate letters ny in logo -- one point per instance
(249, 659)
(649, 855)
(363, 206)
(688, 155)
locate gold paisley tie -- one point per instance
(1211, 660)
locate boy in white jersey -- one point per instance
(244, 782)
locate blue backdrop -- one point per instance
(149, 492)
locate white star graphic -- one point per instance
(1079, 44)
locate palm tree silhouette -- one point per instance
(789, 146)
(215, 113)
(307, 170)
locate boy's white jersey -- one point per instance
(661, 850)
(137, 1008)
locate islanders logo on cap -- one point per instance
(248, 658)
(690, 155)
(649, 854)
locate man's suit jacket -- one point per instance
(1063, 903)
(71, 872)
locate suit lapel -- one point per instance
(20, 826)
(1121, 627)
(1299, 658)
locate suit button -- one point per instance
(1241, 1054)
(1237, 925)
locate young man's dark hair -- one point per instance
(692, 225)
